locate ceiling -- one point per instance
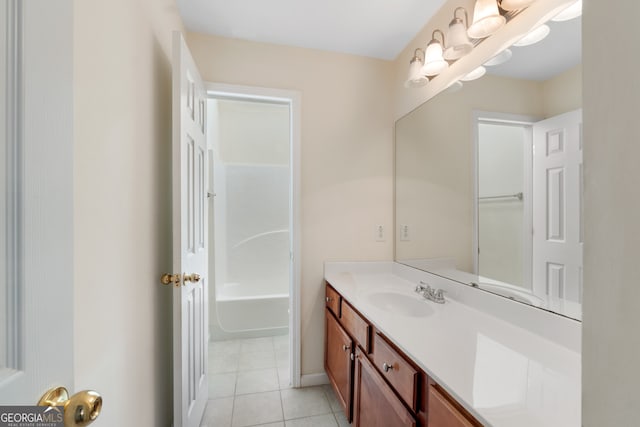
(372, 28)
(558, 52)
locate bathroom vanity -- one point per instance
(397, 359)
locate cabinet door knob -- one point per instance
(327, 299)
(346, 347)
(386, 367)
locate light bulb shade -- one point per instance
(500, 58)
(459, 43)
(573, 11)
(454, 87)
(416, 78)
(486, 19)
(515, 4)
(534, 36)
(475, 74)
(434, 62)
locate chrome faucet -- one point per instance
(435, 295)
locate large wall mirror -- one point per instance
(489, 178)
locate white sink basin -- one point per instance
(400, 304)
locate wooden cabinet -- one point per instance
(355, 326)
(396, 370)
(333, 300)
(446, 412)
(381, 387)
(375, 403)
(338, 361)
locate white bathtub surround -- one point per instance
(508, 363)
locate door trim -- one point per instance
(293, 99)
(506, 119)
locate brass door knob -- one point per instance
(195, 277)
(168, 279)
(80, 410)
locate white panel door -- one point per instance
(557, 215)
(36, 201)
(190, 315)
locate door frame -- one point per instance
(293, 99)
(506, 119)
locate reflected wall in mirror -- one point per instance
(488, 179)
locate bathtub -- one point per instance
(244, 309)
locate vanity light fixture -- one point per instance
(434, 62)
(475, 74)
(459, 43)
(416, 78)
(500, 58)
(486, 19)
(534, 36)
(515, 4)
(572, 11)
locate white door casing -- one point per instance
(38, 164)
(526, 123)
(190, 315)
(294, 99)
(557, 216)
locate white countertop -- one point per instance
(505, 375)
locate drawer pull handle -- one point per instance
(346, 347)
(328, 299)
(386, 367)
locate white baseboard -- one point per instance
(310, 380)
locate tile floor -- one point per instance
(249, 386)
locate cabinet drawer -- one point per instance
(375, 403)
(400, 374)
(355, 325)
(333, 300)
(445, 412)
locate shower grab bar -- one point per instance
(518, 196)
(257, 236)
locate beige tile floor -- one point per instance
(249, 386)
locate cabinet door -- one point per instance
(338, 362)
(375, 404)
(444, 412)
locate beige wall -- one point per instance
(611, 343)
(346, 155)
(122, 234)
(563, 93)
